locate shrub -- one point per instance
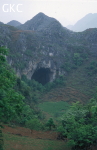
(33, 124)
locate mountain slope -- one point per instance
(14, 23)
(1, 23)
(52, 51)
(37, 23)
(89, 21)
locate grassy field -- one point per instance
(14, 142)
(54, 108)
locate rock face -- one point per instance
(43, 72)
(45, 53)
(31, 55)
(37, 23)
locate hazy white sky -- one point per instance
(66, 11)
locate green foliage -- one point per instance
(34, 124)
(50, 124)
(77, 59)
(24, 89)
(31, 98)
(36, 89)
(79, 125)
(26, 115)
(31, 89)
(60, 81)
(28, 52)
(74, 57)
(92, 68)
(10, 101)
(67, 66)
(3, 53)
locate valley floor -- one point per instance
(19, 138)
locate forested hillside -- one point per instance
(45, 69)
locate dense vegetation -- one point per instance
(11, 102)
(22, 101)
(79, 125)
(13, 107)
(18, 100)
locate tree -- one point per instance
(33, 124)
(77, 59)
(26, 115)
(79, 127)
(50, 123)
(3, 53)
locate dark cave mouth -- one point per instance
(42, 75)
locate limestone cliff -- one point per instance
(44, 54)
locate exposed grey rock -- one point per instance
(44, 51)
(37, 23)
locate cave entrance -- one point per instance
(42, 75)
